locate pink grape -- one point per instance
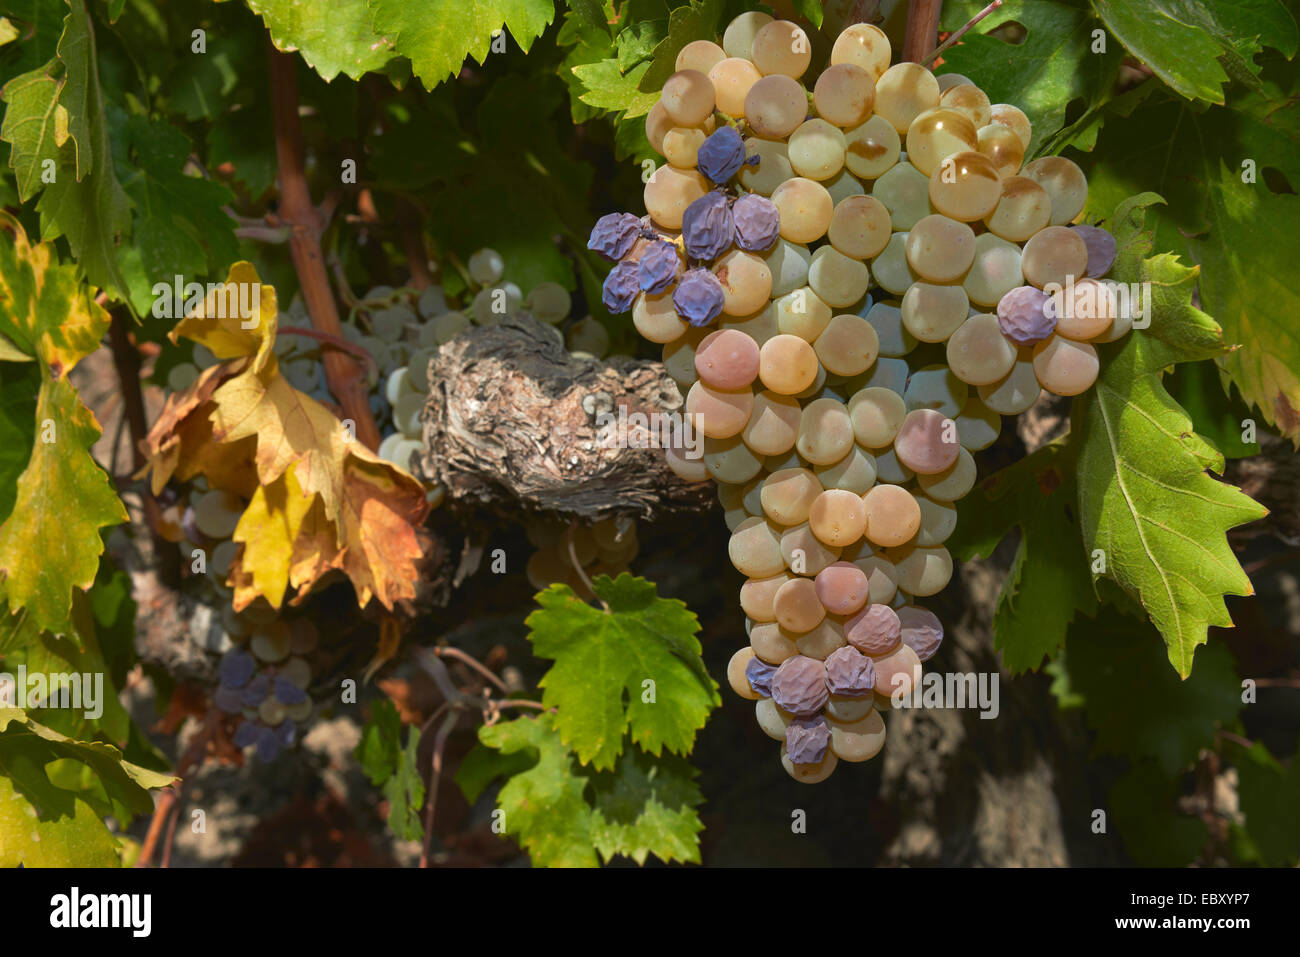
(874, 631)
(727, 360)
(1023, 315)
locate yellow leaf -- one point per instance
(237, 318)
(268, 528)
(291, 429)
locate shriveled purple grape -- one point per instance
(758, 222)
(614, 234)
(1025, 317)
(922, 631)
(237, 666)
(874, 631)
(799, 685)
(1101, 249)
(722, 154)
(286, 692)
(698, 297)
(759, 674)
(707, 227)
(849, 673)
(806, 739)
(659, 267)
(228, 699)
(256, 691)
(621, 287)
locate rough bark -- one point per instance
(511, 421)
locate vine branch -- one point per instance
(922, 29)
(306, 224)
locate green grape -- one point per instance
(872, 148)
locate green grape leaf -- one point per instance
(437, 35)
(647, 806)
(86, 203)
(1153, 830)
(333, 36)
(50, 543)
(1053, 67)
(27, 747)
(1145, 499)
(78, 653)
(606, 87)
(1136, 705)
(1217, 410)
(180, 226)
(482, 765)
(810, 10)
(45, 311)
(544, 807)
(19, 385)
(78, 840)
(33, 125)
(696, 21)
(1239, 232)
(1269, 793)
(8, 32)
(586, 45)
(393, 768)
(637, 42)
(229, 142)
(563, 815)
(589, 13)
(41, 25)
(1049, 581)
(634, 668)
(1182, 40)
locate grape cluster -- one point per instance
(851, 287)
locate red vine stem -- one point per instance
(922, 29)
(170, 798)
(307, 223)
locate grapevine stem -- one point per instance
(958, 34)
(126, 360)
(338, 342)
(577, 567)
(170, 797)
(922, 28)
(306, 223)
(450, 652)
(435, 773)
(1235, 738)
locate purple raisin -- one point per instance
(799, 685)
(621, 287)
(922, 631)
(758, 222)
(237, 666)
(658, 267)
(759, 674)
(707, 227)
(1024, 316)
(614, 234)
(874, 631)
(1101, 249)
(806, 739)
(849, 673)
(722, 154)
(698, 298)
